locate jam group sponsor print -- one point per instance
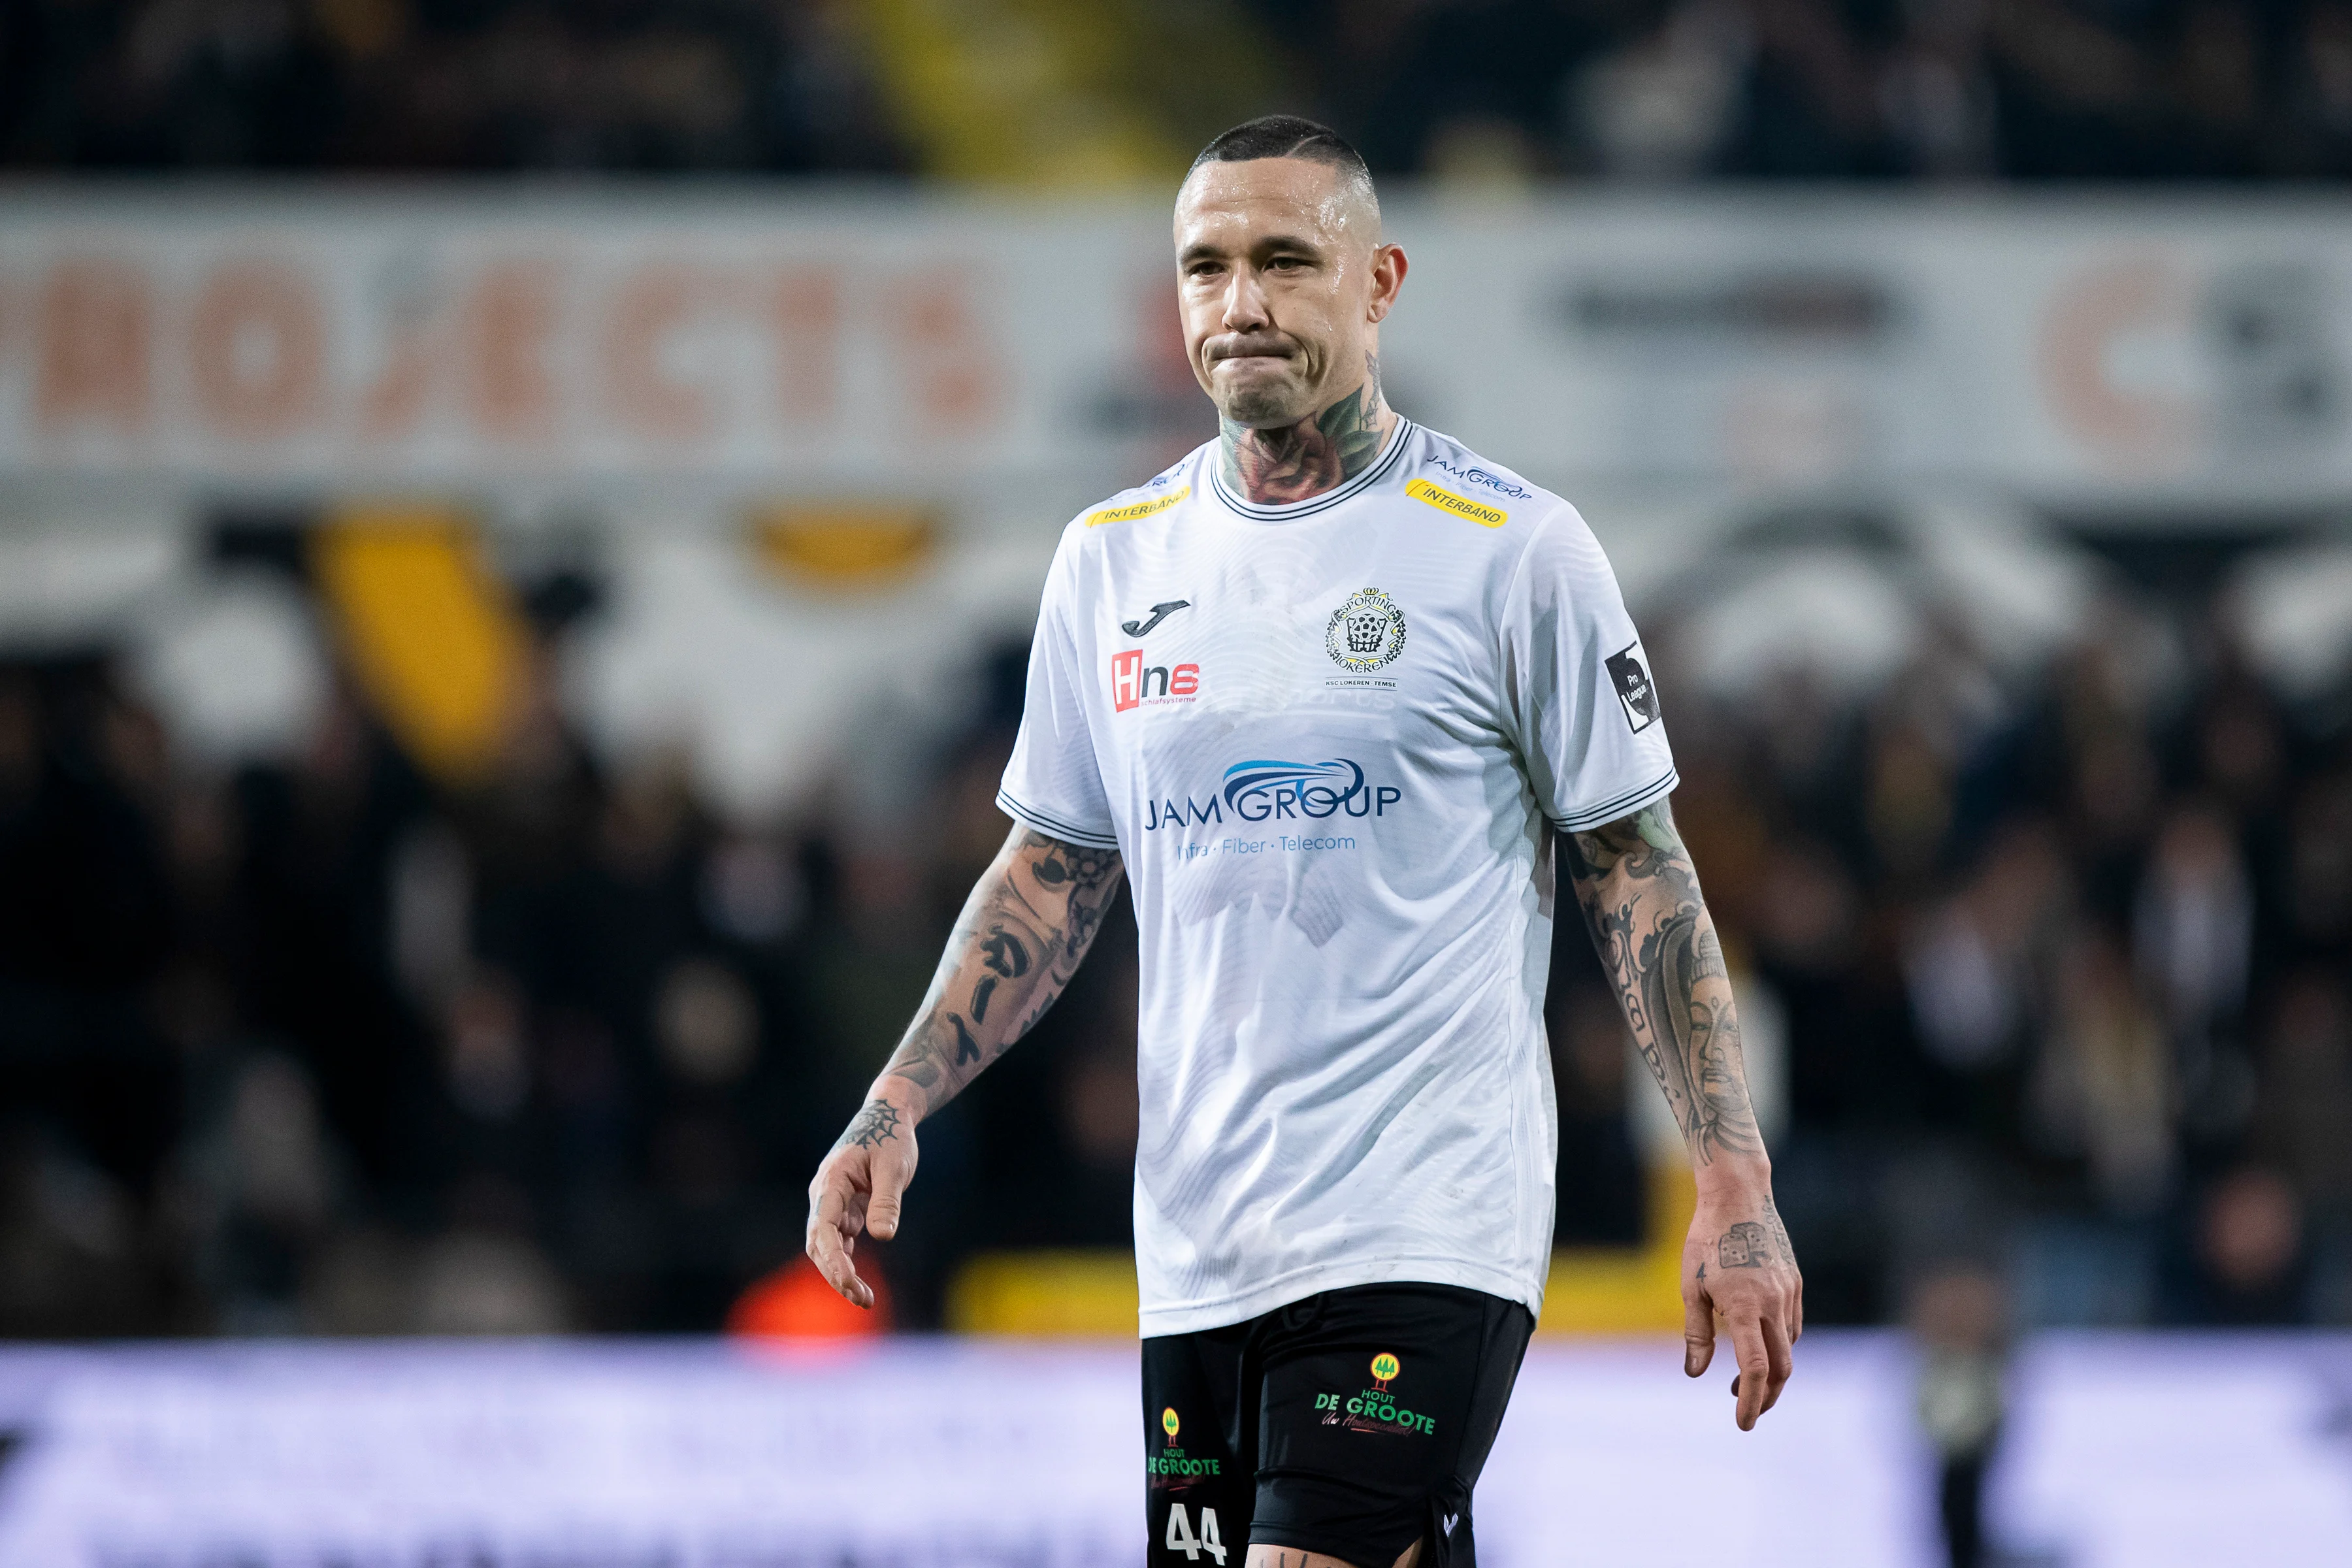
(1134, 684)
(1280, 844)
(1267, 790)
(1494, 482)
(1270, 791)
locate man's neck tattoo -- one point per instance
(1275, 468)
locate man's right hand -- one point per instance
(858, 1190)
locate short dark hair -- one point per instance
(1290, 136)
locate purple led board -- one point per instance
(2139, 1451)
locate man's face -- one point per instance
(1282, 283)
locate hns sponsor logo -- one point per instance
(1267, 790)
(1132, 683)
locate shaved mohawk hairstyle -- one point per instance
(1290, 136)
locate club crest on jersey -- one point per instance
(1366, 632)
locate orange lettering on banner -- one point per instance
(653, 303)
(944, 356)
(2146, 427)
(510, 316)
(257, 352)
(805, 311)
(96, 332)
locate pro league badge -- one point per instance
(1639, 697)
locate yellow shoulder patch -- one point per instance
(1136, 508)
(1485, 516)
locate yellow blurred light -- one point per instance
(432, 638)
(1629, 1289)
(1091, 1292)
(844, 546)
(1064, 1293)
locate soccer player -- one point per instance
(1325, 694)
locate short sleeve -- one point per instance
(1054, 783)
(1580, 697)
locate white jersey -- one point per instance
(1331, 741)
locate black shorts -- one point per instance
(1352, 1422)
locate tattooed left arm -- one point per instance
(1650, 924)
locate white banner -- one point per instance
(2080, 350)
(2122, 1451)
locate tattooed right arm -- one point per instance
(1021, 934)
(1028, 923)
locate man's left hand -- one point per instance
(1737, 1265)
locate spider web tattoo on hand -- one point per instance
(873, 1125)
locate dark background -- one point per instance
(2062, 954)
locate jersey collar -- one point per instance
(1312, 504)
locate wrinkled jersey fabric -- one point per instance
(1331, 741)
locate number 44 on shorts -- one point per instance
(1181, 1539)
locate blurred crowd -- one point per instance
(1632, 88)
(2059, 953)
(771, 86)
(324, 1044)
(2063, 962)
(1834, 88)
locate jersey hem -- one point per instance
(1157, 1322)
(1053, 827)
(1624, 804)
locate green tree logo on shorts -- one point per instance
(1169, 1424)
(1375, 1409)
